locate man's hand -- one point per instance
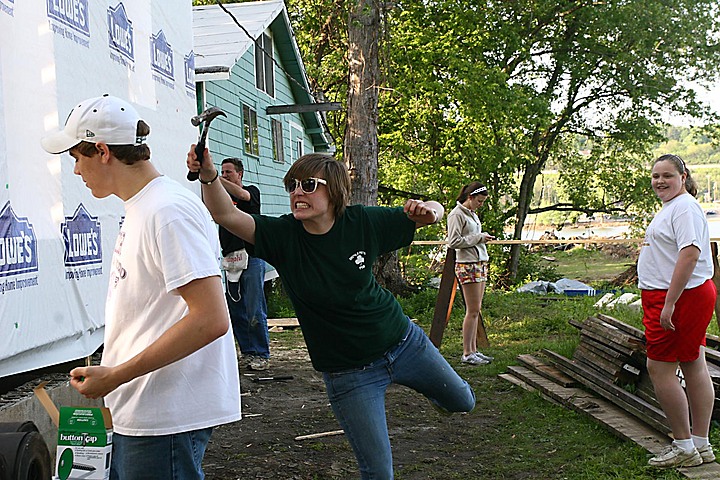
(206, 168)
(94, 382)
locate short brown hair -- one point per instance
(327, 167)
(236, 162)
(127, 154)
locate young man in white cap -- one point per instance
(168, 372)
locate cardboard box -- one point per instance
(84, 446)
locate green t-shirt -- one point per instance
(348, 320)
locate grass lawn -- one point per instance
(588, 266)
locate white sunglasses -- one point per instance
(309, 185)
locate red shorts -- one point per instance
(471, 272)
(692, 315)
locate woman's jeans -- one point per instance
(357, 396)
(167, 457)
(248, 309)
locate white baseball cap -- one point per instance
(104, 119)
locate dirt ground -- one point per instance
(426, 445)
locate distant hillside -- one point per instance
(691, 144)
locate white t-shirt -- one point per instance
(167, 240)
(681, 222)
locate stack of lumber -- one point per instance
(606, 378)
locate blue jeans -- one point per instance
(248, 310)
(167, 457)
(357, 396)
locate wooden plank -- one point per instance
(614, 418)
(481, 338)
(615, 337)
(308, 107)
(616, 370)
(576, 323)
(516, 381)
(605, 412)
(607, 351)
(629, 329)
(283, 322)
(610, 371)
(320, 435)
(621, 397)
(445, 299)
(546, 370)
(598, 335)
(712, 356)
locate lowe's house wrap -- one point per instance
(56, 239)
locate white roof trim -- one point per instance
(209, 77)
(219, 42)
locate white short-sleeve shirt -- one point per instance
(167, 240)
(680, 223)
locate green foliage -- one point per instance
(278, 303)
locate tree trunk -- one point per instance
(524, 199)
(360, 147)
(361, 142)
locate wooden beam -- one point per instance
(283, 322)
(445, 299)
(481, 337)
(309, 107)
(603, 387)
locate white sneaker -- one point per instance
(484, 357)
(675, 456)
(706, 453)
(259, 364)
(473, 359)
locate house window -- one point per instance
(264, 71)
(277, 135)
(250, 131)
(299, 148)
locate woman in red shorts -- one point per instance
(465, 235)
(678, 298)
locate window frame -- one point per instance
(251, 141)
(264, 64)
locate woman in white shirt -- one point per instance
(465, 235)
(678, 296)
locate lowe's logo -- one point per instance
(161, 56)
(81, 235)
(120, 32)
(18, 244)
(7, 8)
(73, 13)
(190, 71)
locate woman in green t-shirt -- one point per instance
(356, 332)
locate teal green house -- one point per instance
(247, 63)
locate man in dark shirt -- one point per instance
(244, 292)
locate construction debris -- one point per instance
(320, 435)
(608, 380)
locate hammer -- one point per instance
(205, 118)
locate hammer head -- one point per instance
(207, 116)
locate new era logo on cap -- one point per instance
(104, 119)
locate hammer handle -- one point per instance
(199, 152)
